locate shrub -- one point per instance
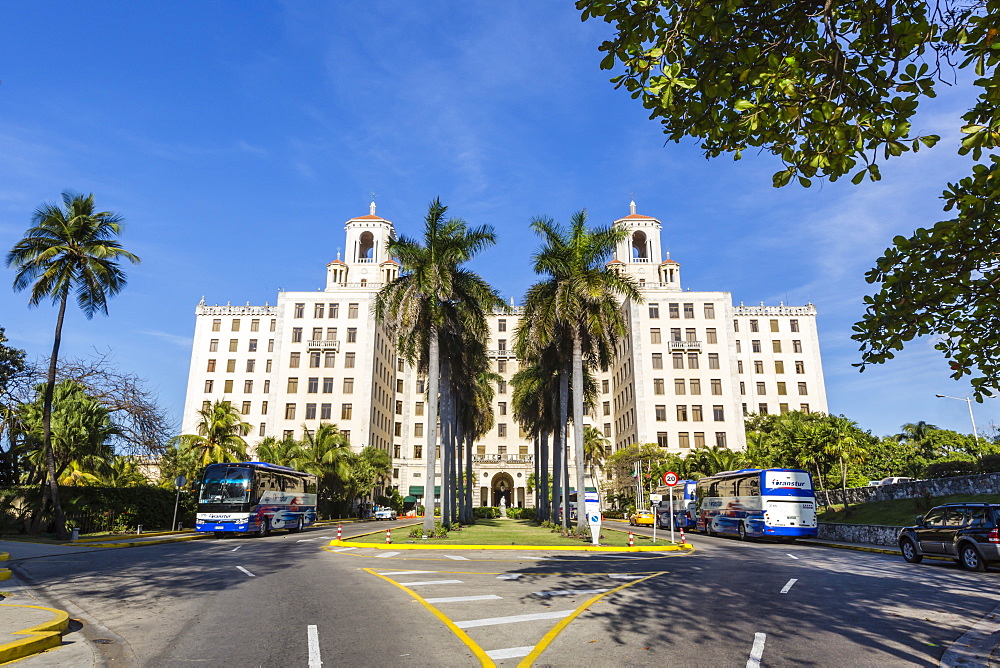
(486, 512)
(950, 469)
(990, 464)
(521, 513)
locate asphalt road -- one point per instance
(288, 600)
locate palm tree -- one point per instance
(68, 250)
(917, 435)
(594, 450)
(584, 298)
(843, 444)
(325, 453)
(220, 435)
(416, 307)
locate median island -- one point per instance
(507, 532)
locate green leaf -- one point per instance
(781, 179)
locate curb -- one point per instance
(5, 573)
(163, 541)
(41, 636)
(856, 548)
(99, 539)
(548, 548)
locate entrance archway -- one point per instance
(502, 486)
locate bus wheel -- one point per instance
(264, 529)
(743, 531)
(298, 526)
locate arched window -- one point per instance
(639, 246)
(366, 247)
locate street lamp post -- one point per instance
(967, 400)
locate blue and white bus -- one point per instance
(758, 503)
(685, 507)
(255, 497)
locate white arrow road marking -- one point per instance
(622, 576)
(509, 653)
(387, 554)
(757, 651)
(304, 540)
(456, 557)
(792, 556)
(313, 637)
(236, 548)
(490, 621)
(788, 585)
(430, 582)
(403, 572)
(510, 576)
(342, 549)
(462, 599)
(246, 571)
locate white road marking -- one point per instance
(622, 576)
(342, 549)
(757, 650)
(304, 540)
(236, 548)
(490, 621)
(792, 556)
(403, 572)
(385, 555)
(536, 558)
(788, 585)
(246, 571)
(456, 557)
(569, 592)
(313, 636)
(509, 576)
(430, 582)
(509, 653)
(461, 599)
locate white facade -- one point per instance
(691, 367)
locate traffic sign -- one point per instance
(656, 498)
(670, 479)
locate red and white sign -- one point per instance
(670, 478)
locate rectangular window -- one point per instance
(352, 310)
(680, 387)
(253, 346)
(678, 361)
(312, 386)
(739, 366)
(753, 326)
(501, 325)
(293, 360)
(711, 336)
(213, 346)
(327, 385)
(779, 366)
(605, 386)
(699, 439)
(657, 360)
(654, 311)
(352, 334)
(683, 440)
(418, 408)
(758, 366)
(607, 429)
(263, 428)
(245, 408)
(761, 388)
(236, 325)
(399, 386)
(399, 408)
(501, 387)
(418, 429)
(502, 408)
(800, 367)
(692, 360)
(675, 310)
(794, 324)
(287, 434)
(270, 345)
(230, 366)
(804, 408)
(346, 410)
(736, 325)
(501, 365)
(696, 415)
(267, 386)
(216, 325)
(293, 385)
(317, 334)
(658, 386)
(661, 439)
(782, 389)
(762, 409)
(318, 310)
(774, 325)
(326, 411)
(713, 361)
(606, 406)
(743, 387)
(710, 311)
(255, 325)
(716, 386)
(661, 413)
(211, 365)
(690, 334)
(675, 333)
(739, 348)
(247, 387)
(654, 335)
(502, 430)
(348, 360)
(682, 413)
(720, 439)
(782, 408)
(796, 346)
(348, 386)
(233, 345)
(274, 324)
(300, 310)
(718, 413)
(333, 311)
(289, 411)
(695, 386)
(502, 345)
(314, 359)
(296, 335)
(331, 333)
(209, 385)
(310, 411)
(776, 346)
(329, 360)
(755, 346)
(688, 310)
(803, 389)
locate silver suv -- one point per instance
(966, 532)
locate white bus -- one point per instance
(685, 508)
(758, 503)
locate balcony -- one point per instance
(683, 345)
(332, 346)
(505, 354)
(502, 459)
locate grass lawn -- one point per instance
(509, 532)
(899, 512)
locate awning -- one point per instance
(418, 490)
(410, 499)
(572, 490)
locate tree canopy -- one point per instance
(832, 90)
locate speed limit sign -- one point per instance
(670, 478)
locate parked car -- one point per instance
(874, 483)
(385, 514)
(966, 532)
(893, 481)
(641, 517)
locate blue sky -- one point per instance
(237, 138)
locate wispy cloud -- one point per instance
(174, 339)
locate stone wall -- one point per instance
(859, 533)
(986, 483)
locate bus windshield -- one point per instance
(226, 484)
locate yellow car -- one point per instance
(641, 517)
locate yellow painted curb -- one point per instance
(548, 548)
(4, 556)
(98, 539)
(5, 574)
(40, 637)
(140, 543)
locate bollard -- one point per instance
(340, 534)
(631, 541)
(388, 536)
(138, 529)
(76, 534)
(683, 540)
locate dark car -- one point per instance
(966, 532)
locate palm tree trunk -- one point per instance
(544, 484)
(468, 478)
(563, 445)
(433, 371)
(447, 451)
(537, 472)
(50, 459)
(581, 522)
(843, 487)
(556, 472)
